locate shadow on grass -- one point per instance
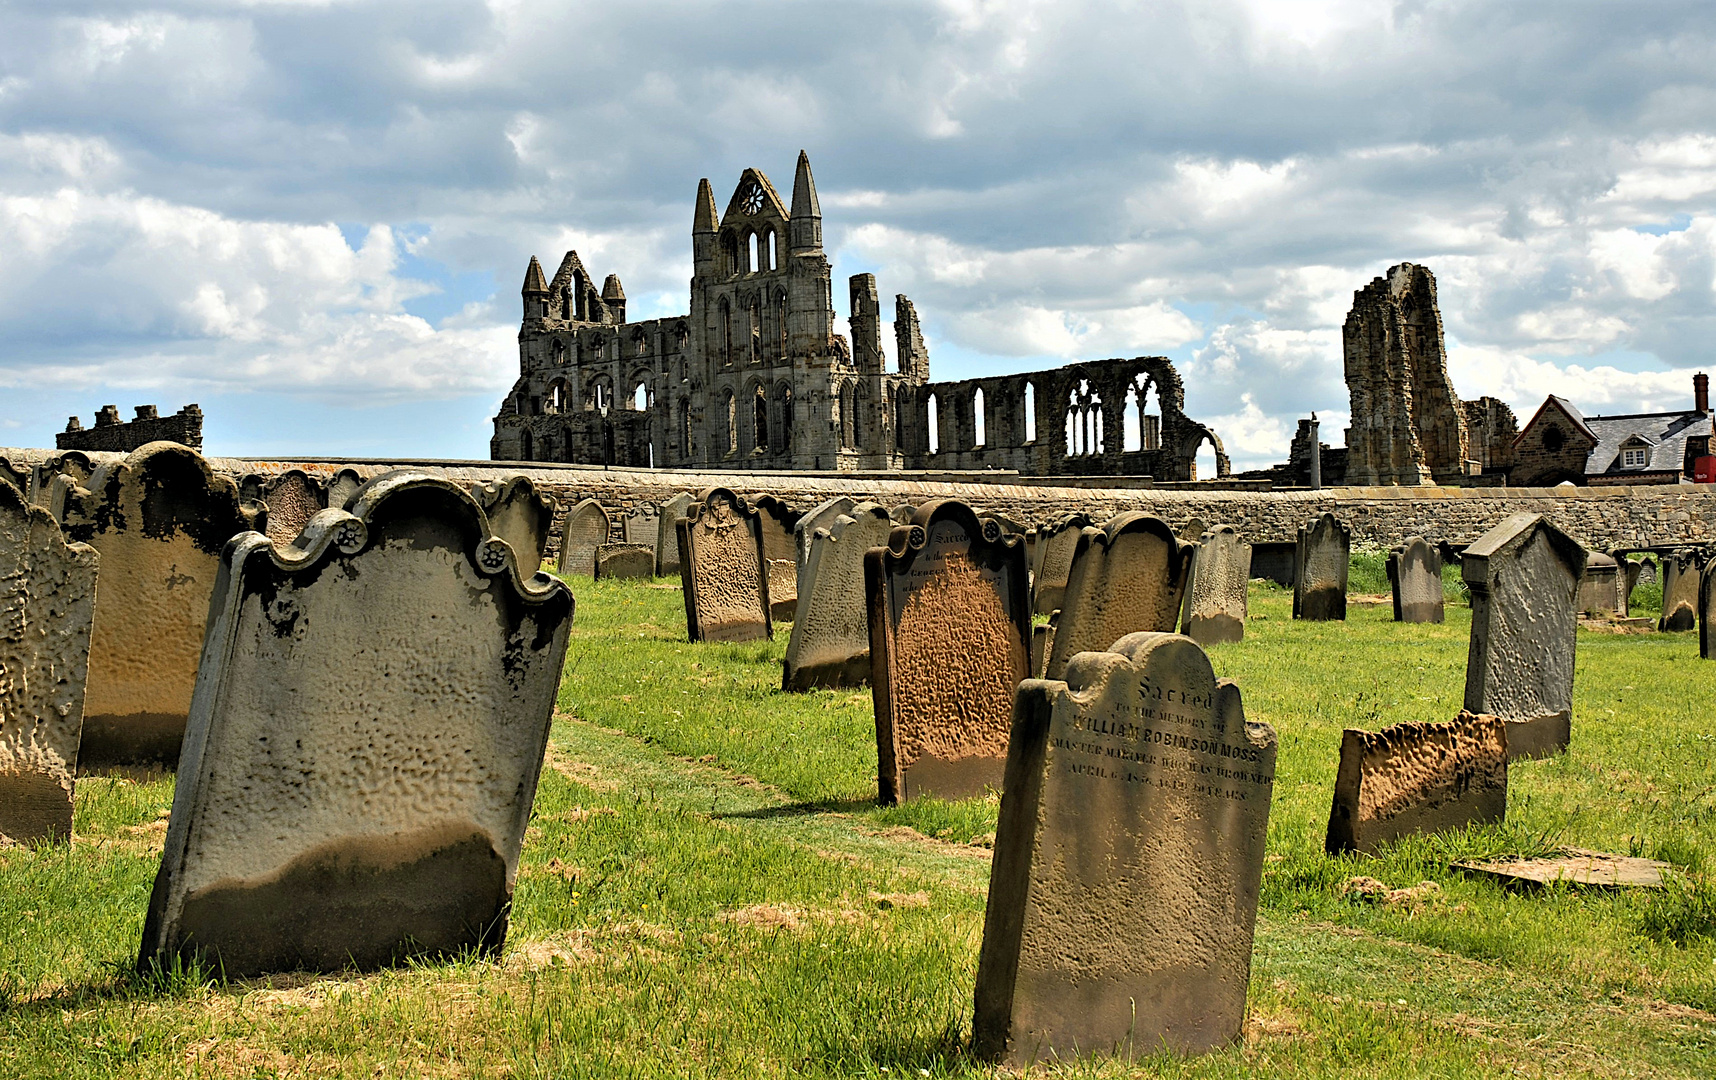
(800, 809)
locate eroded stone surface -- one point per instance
(723, 571)
(1679, 591)
(667, 538)
(1215, 606)
(780, 550)
(47, 603)
(949, 615)
(520, 515)
(1415, 573)
(1417, 778)
(1127, 576)
(1128, 860)
(292, 498)
(586, 528)
(1320, 564)
(830, 643)
(324, 822)
(1599, 587)
(625, 561)
(1576, 867)
(1055, 549)
(823, 516)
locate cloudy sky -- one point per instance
(312, 217)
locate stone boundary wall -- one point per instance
(1601, 518)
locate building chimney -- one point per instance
(1701, 392)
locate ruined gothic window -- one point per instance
(751, 264)
(732, 415)
(783, 424)
(760, 419)
(1142, 428)
(641, 344)
(680, 337)
(751, 199)
(934, 426)
(781, 320)
(640, 397)
(755, 318)
(771, 250)
(559, 354)
(577, 306)
(1084, 420)
(979, 423)
(1554, 439)
(526, 447)
(1030, 412)
(726, 331)
(685, 427)
(848, 433)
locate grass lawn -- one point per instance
(708, 889)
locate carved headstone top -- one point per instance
(520, 515)
(1126, 577)
(1055, 550)
(586, 528)
(830, 643)
(1321, 562)
(723, 570)
(292, 498)
(1415, 572)
(820, 517)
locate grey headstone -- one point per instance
(1599, 590)
(781, 551)
(667, 540)
(520, 515)
(642, 527)
(1056, 549)
(1216, 603)
(830, 643)
(1320, 565)
(615, 561)
(1192, 530)
(1417, 778)
(722, 570)
(822, 516)
(586, 528)
(1126, 577)
(1679, 591)
(1415, 574)
(342, 486)
(902, 514)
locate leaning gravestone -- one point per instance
(1192, 530)
(1707, 611)
(781, 551)
(1415, 572)
(667, 535)
(1128, 861)
(821, 517)
(1599, 588)
(950, 629)
(1626, 580)
(292, 498)
(47, 600)
(1056, 551)
(722, 570)
(1126, 577)
(1679, 591)
(159, 517)
(520, 515)
(320, 822)
(585, 529)
(1215, 606)
(830, 643)
(617, 561)
(1524, 576)
(1320, 564)
(1415, 778)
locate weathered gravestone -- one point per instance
(1055, 556)
(823, 516)
(667, 534)
(722, 570)
(58, 477)
(1215, 604)
(1707, 611)
(1320, 564)
(614, 561)
(780, 551)
(159, 517)
(830, 643)
(47, 600)
(642, 527)
(902, 514)
(324, 822)
(520, 515)
(1042, 644)
(292, 499)
(1127, 576)
(1415, 573)
(1626, 580)
(16, 478)
(950, 629)
(1193, 530)
(342, 486)
(1523, 576)
(1599, 587)
(1417, 778)
(1128, 860)
(1679, 591)
(586, 528)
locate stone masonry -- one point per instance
(110, 433)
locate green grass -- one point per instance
(708, 889)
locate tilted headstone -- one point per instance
(1193, 530)
(1523, 576)
(615, 561)
(324, 822)
(667, 536)
(47, 602)
(1320, 565)
(950, 632)
(1128, 860)
(586, 528)
(1679, 591)
(57, 478)
(159, 517)
(1707, 611)
(830, 643)
(1215, 606)
(1126, 577)
(520, 515)
(822, 516)
(1415, 778)
(722, 570)
(781, 551)
(18, 479)
(1057, 547)
(292, 499)
(1599, 590)
(1415, 573)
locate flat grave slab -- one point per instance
(1574, 866)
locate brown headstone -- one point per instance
(292, 498)
(1679, 591)
(1416, 778)
(1126, 577)
(1215, 607)
(781, 551)
(1707, 611)
(723, 571)
(1321, 562)
(586, 528)
(614, 561)
(1415, 573)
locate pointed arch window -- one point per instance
(934, 426)
(760, 419)
(1084, 421)
(726, 316)
(731, 411)
(979, 424)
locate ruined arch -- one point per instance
(848, 410)
(979, 422)
(783, 417)
(730, 420)
(758, 396)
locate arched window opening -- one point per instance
(641, 345)
(726, 331)
(1084, 420)
(754, 316)
(680, 337)
(979, 425)
(760, 419)
(934, 427)
(566, 303)
(640, 397)
(685, 428)
(526, 447)
(771, 250)
(559, 354)
(1142, 417)
(732, 415)
(729, 253)
(1204, 465)
(848, 437)
(751, 254)
(783, 425)
(1030, 412)
(578, 294)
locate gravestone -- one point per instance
(342, 486)
(1009, 526)
(830, 643)
(950, 630)
(1707, 611)
(159, 517)
(823, 516)
(1415, 573)
(642, 527)
(1679, 591)
(667, 533)
(324, 822)
(57, 477)
(586, 528)
(47, 602)
(1626, 580)
(902, 514)
(1126, 577)
(16, 478)
(1193, 530)
(1128, 860)
(1415, 778)
(722, 570)
(1215, 606)
(1599, 587)
(1057, 548)
(1042, 644)
(520, 515)
(615, 561)
(1320, 564)
(292, 499)
(1524, 576)
(781, 552)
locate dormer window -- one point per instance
(1634, 457)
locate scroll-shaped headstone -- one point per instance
(1415, 572)
(1599, 590)
(1128, 860)
(781, 551)
(1523, 576)
(1126, 577)
(830, 643)
(1415, 778)
(902, 514)
(1056, 550)
(822, 516)
(342, 486)
(47, 601)
(520, 515)
(667, 537)
(722, 569)
(323, 822)
(1320, 565)
(159, 517)
(618, 561)
(585, 529)
(292, 498)
(1707, 611)
(1679, 591)
(1215, 606)
(58, 477)
(950, 631)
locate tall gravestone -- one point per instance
(822, 516)
(1415, 573)
(830, 643)
(159, 517)
(722, 570)
(1679, 591)
(1128, 860)
(1321, 561)
(1128, 576)
(667, 535)
(1056, 552)
(780, 550)
(47, 602)
(1415, 778)
(1524, 576)
(1707, 611)
(1599, 588)
(586, 528)
(520, 515)
(1215, 607)
(950, 630)
(324, 822)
